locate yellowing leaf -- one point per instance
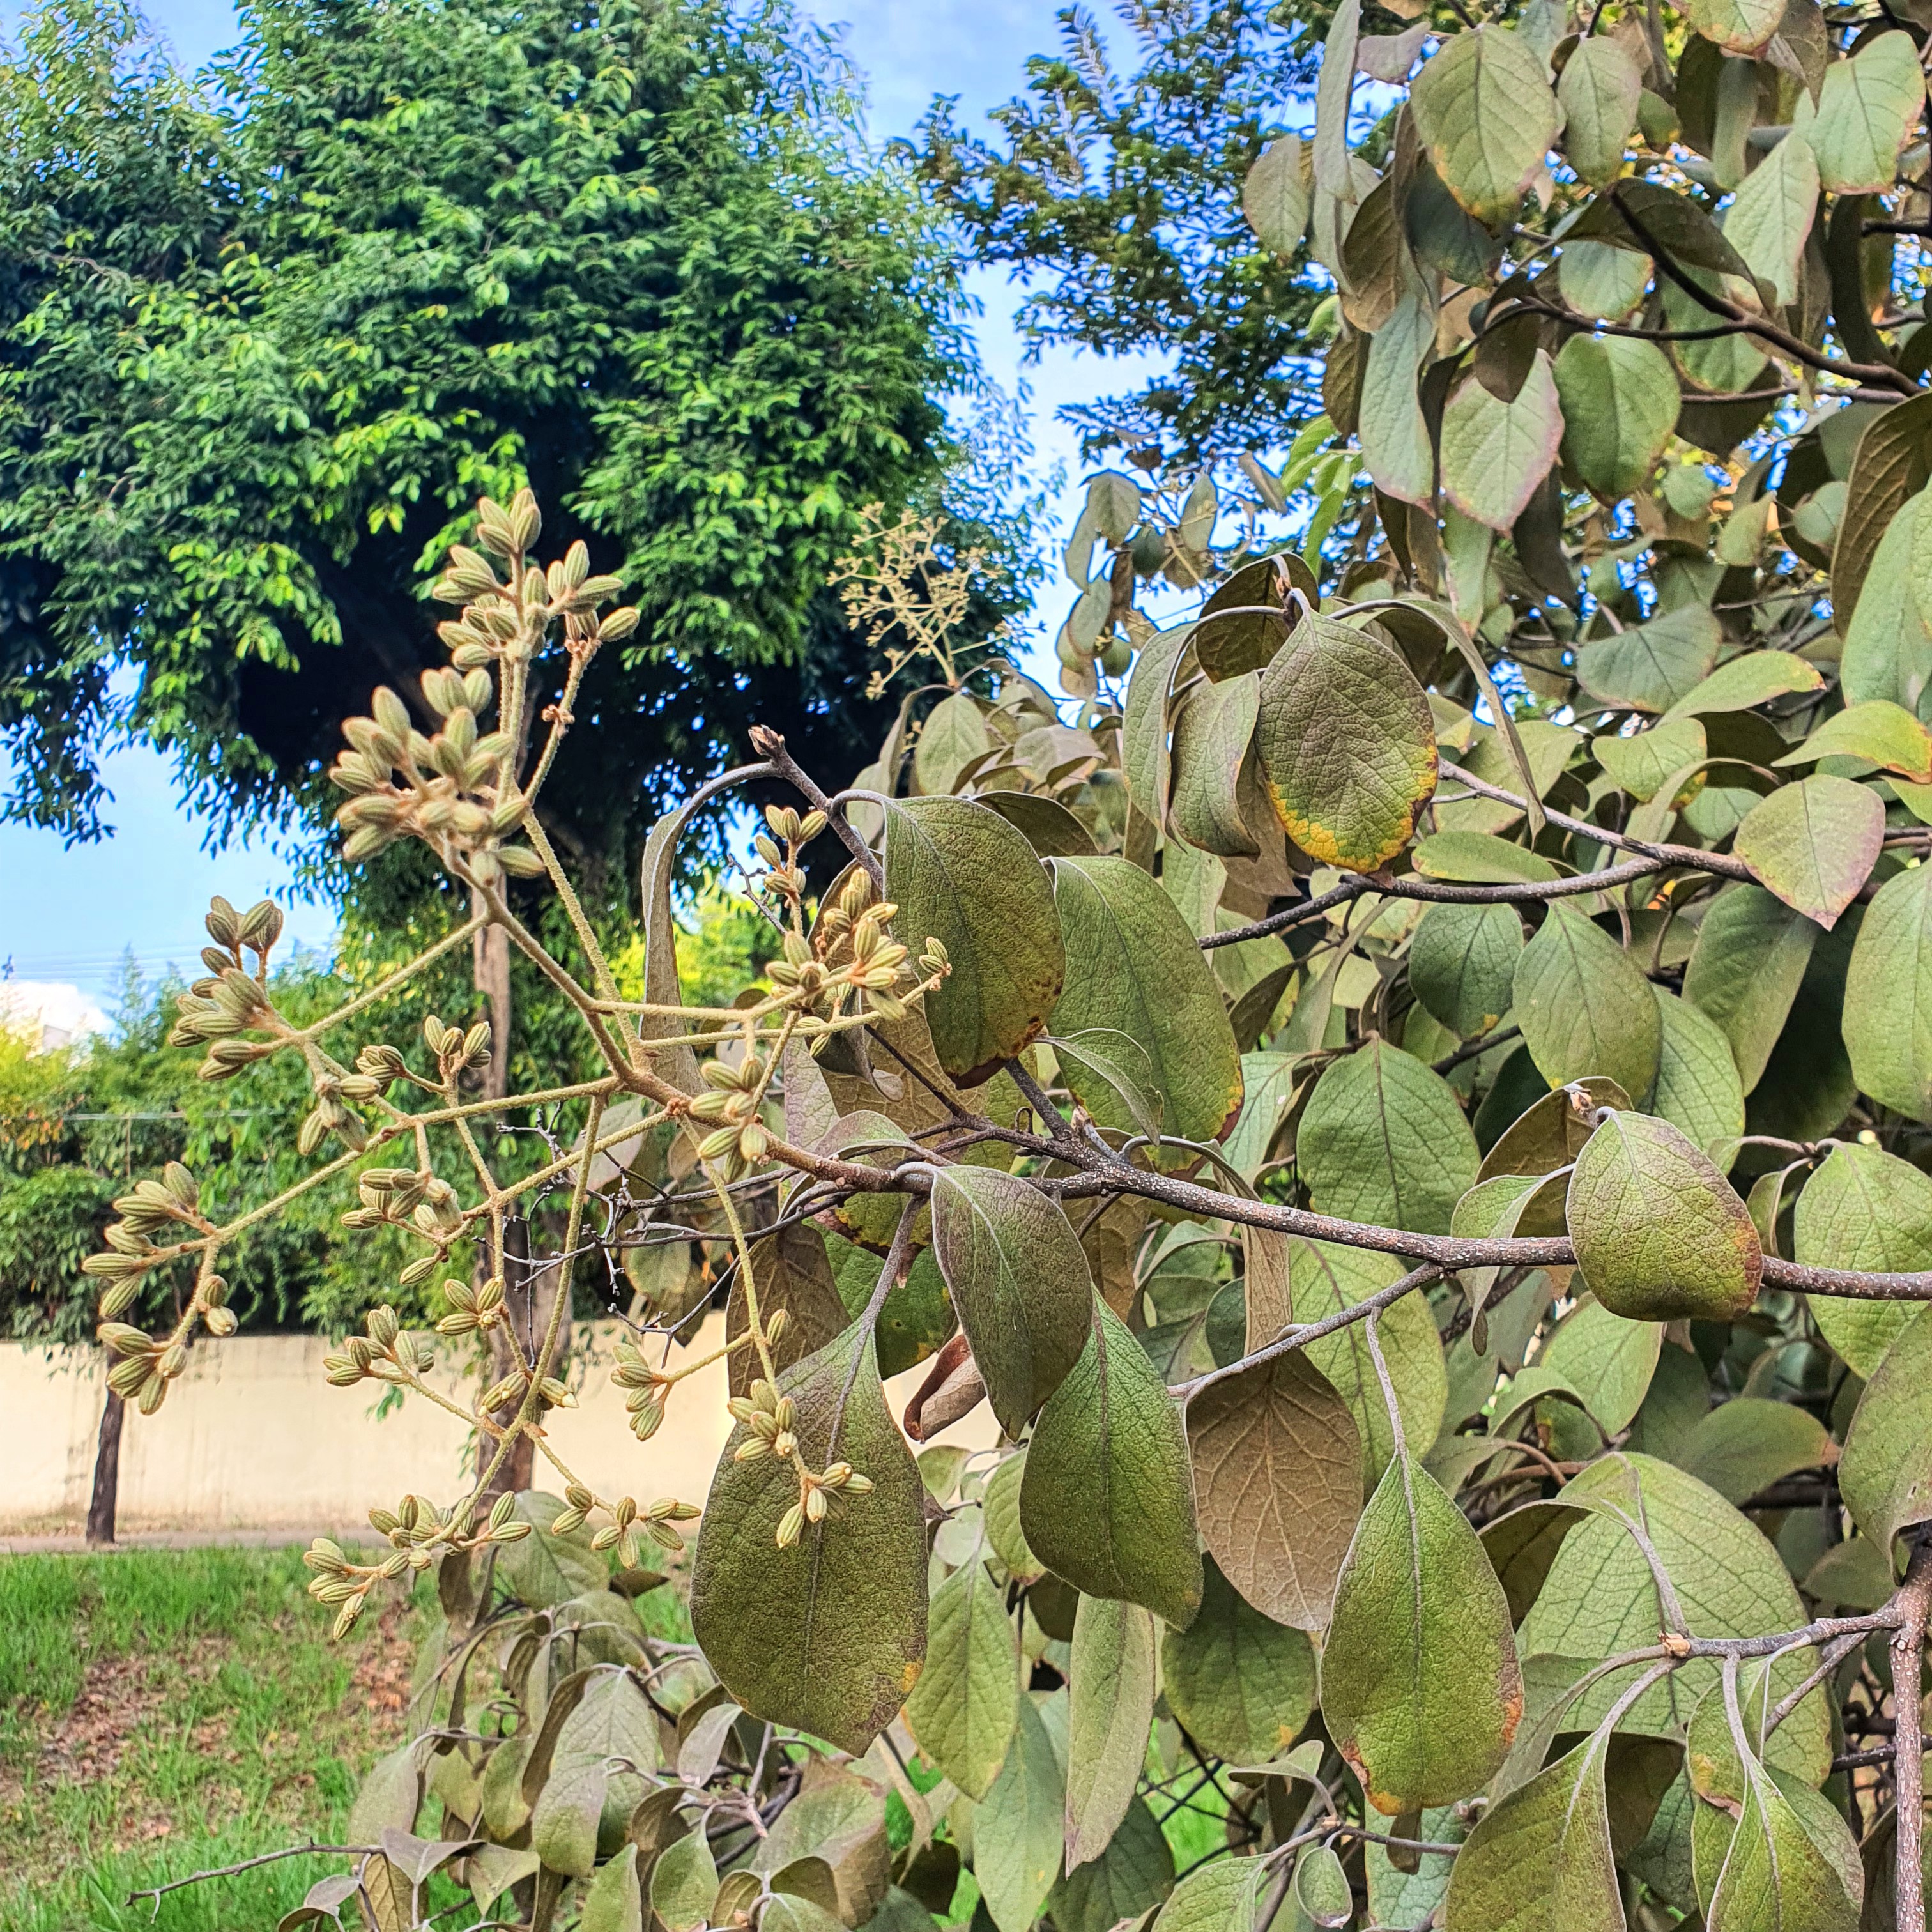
(1737, 26)
(1879, 732)
(1484, 110)
(1660, 1234)
(1753, 680)
(1347, 744)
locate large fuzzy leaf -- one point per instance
(1134, 969)
(963, 875)
(829, 1635)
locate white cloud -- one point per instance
(61, 1012)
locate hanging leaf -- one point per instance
(1598, 92)
(1745, 970)
(1016, 1830)
(1110, 1685)
(1221, 1896)
(1106, 1500)
(1274, 195)
(1420, 1686)
(1484, 110)
(829, 1634)
(1814, 844)
(1649, 666)
(1889, 996)
(1698, 1091)
(1770, 219)
(1001, 1499)
(1543, 1856)
(1892, 463)
(1885, 1473)
(1210, 739)
(1748, 1443)
(964, 1706)
(1659, 1233)
(1397, 450)
(1495, 453)
(961, 874)
(1347, 744)
(1867, 1209)
(1776, 1875)
(1334, 85)
(1244, 623)
(1867, 108)
(1321, 1887)
(1134, 968)
(1241, 1686)
(1278, 1486)
(1585, 1006)
(953, 735)
(1600, 1596)
(1737, 26)
(1019, 1280)
(1128, 1881)
(1383, 1140)
(1618, 396)
(684, 1884)
(1326, 1279)
(1462, 964)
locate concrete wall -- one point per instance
(252, 1437)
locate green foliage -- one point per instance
(286, 318)
(1119, 197)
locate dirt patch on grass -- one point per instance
(102, 1753)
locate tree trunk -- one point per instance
(490, 962)
(101, 1507)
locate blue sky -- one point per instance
(67, 915)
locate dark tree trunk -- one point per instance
(490, 964)
(529, 1294)
(106, 1495)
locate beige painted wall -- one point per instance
(253, 1438)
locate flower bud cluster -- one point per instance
(629, 1524)
(471, 1309)
(383, 1353)
(646, 1388)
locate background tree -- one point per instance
(263, 335)
(1116, 197)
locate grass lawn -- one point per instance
(164, 1712)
